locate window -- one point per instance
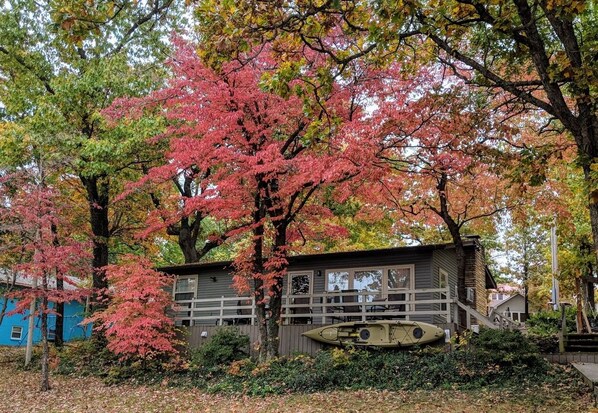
(337, 280)
(368, 280)
(300, 283)
(16, 333)
(185, 288)
(380, 281)
(185, 285)
(399, 278)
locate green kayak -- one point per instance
(395, 333)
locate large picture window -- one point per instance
(380, 281)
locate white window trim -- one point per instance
(12, 330)
(184, 277)
(290, 275)
(385, 290)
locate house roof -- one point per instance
(22, 280)
(496, 303)
(469, 242)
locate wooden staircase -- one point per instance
(582, 343)
(498, 321)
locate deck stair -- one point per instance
(482, 319)
(584, 343)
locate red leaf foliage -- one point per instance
(135, 321)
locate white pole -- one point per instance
(555, 267)
(30, 331)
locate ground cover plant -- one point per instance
(500, 360)
(339, 380)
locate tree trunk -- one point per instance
(455, 231)
(59, 326)
(187, 242)
(593, 208)
(525, 279)
(98, 198)
(258, 272)
(45, 382)
(280, 254)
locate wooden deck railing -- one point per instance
(322, 308)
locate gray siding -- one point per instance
(444, 259)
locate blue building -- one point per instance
(14, 328)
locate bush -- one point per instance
(548, 323)
(224, 347)
(502, 359)
(495, 358)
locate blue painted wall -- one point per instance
(73, 315)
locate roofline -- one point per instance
(490, 281)
(190, 268)
(506, 300)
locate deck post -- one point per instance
(253, 310)
(220, 320)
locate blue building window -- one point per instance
(16, 333)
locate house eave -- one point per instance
(195, 268)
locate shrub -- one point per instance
(548, 323)
(224, 347)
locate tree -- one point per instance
(531, 55)
(135, 321)
(442, 151)
(525, 246)
(31, 213)
(267, 156)
(62, 63)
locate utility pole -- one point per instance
(555, 267)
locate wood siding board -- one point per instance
(444, 259)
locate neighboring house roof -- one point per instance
(22, 280)
(507, 288)
(469, 242)
(496, 303)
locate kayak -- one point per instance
(384, 333)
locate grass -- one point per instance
(18, 389)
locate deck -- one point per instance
(431, 305)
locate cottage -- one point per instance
(413, 283)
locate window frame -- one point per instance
(292, 274)
(385, 269)
(12, 332)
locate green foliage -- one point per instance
(499, 359)
(224, 347)
(92, 358)
(548, 323)
(478, 366)
(505, 348)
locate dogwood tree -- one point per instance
(34, 224)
